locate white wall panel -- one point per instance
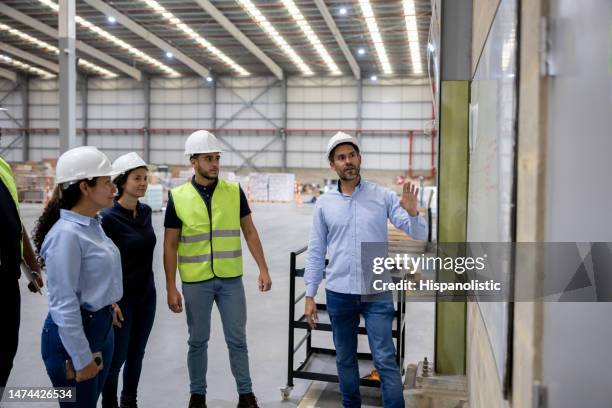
(313, 103)
(164, 157)
(295, 160)
(11, 154)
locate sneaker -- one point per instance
(247, 401)
(197, 401)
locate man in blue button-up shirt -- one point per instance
(357, 212)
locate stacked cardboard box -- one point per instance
(281, 187)
(35, 180)
(258, 187)
(244, 182)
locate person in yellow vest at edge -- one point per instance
(14, 246)
(202, 237)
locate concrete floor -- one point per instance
(164, 381)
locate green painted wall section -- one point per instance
(452, 219)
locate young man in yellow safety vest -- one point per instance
(14, 245)
(203, 222)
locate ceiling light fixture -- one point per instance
(265, 25)
(5, 59)
(111, 19)
(312, 37)
(217, 53)
(413, 36)
(90, 66)
(361, 51)
(508, 50)
(342, 11)
(118, 42)
(374, 78)
(379, 46)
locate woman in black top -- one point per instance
(128, 224)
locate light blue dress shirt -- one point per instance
(341, 223)
(83, 271)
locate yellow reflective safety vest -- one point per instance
(6, 176)
(209, 248)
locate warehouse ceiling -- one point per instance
(286, 37)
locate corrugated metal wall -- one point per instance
(390, 108)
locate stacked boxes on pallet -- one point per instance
(34, 180)
(154, 197)
(281, 187)
(271, 187)
(258, 187)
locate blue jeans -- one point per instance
(98, 330)
(231, 302)
(344, 311)
(130, 342)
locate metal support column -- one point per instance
(25, 116)
(146, 82)
(213, 119)
(359, 108)
(66, 25)
(455, 55)
(283, 129)
(84, 108)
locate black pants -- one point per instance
(10, 304)
(130, 343)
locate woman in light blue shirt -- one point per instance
(83, 275)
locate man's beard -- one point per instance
(207, 176)
(343, 177)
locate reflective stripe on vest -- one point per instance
(206, 236)
(206, 258)
(208, 249)
(6, 176)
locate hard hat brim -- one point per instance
(205, 152)
(333, 146)
(111, 174)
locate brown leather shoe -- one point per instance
(247, 401)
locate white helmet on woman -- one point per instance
(127, 162)
(80, 163)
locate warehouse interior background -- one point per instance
(499, 109)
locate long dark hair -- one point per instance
(61, 199)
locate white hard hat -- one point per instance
(340, 138)
(80, 163)
(127, 162)
(202, 141)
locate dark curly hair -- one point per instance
(61, 199)
(122, 178)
